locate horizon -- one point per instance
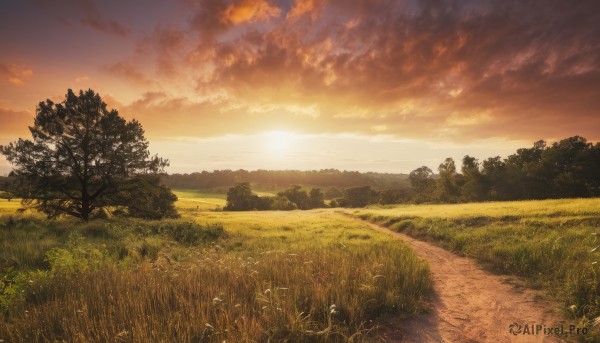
(368, 86)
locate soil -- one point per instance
(471, 304)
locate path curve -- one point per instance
(470, 304)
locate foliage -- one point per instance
(359, 197)
(316, 198)
(192, 233)
(392, 196)
(296, 195)
(241, 198)
(275, 180)
(81, 158)
(569, 168)
(281, 203)
(473, 183)
(446, 184)
(146, 198)
(422, 182)
(333, 192)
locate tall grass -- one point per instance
(211, 277)
(555, 244)
(323, 294)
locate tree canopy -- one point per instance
(83, 157)
(241, 198)
(569, 168)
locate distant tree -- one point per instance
(592, 171)
(566, 163)
(494, 173)
(392, 196)
(263, 203)
(334, 203)
(524, 175)
(333, 192)
(473, 187)
(240, 198)
(359, 197)
(6, 195)
(447, 187)
(296, 195)
(316, 198)
(81, 155)
(422, 182)
(281, 203)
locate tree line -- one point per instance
(275, 179)
(241, 198)
(569, 168)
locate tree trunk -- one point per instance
(85, 203)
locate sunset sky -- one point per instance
(366, 85)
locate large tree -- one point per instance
(82, 157)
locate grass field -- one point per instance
(553, 244)
(211, 276)
(9, 207)
(190, 201)
(307, 276)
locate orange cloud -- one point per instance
(302, 7)
(247, 11)
(434, 69)
(129, 72)
(14, 121)
(15, 74)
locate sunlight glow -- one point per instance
(278, 142)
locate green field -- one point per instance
(553, 244)
(190, 201)
(211, 276)
(307, 276)
(9, 207)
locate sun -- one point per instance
(278, 142)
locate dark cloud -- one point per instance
(107, 26)
(87, 13)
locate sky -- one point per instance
(367, 85)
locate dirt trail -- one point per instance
(470, 304)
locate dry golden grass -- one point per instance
(327, 295)
(303, 276)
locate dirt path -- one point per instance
(470, 304)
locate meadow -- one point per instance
(303, 276)
(298, 276)
(553, 244)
